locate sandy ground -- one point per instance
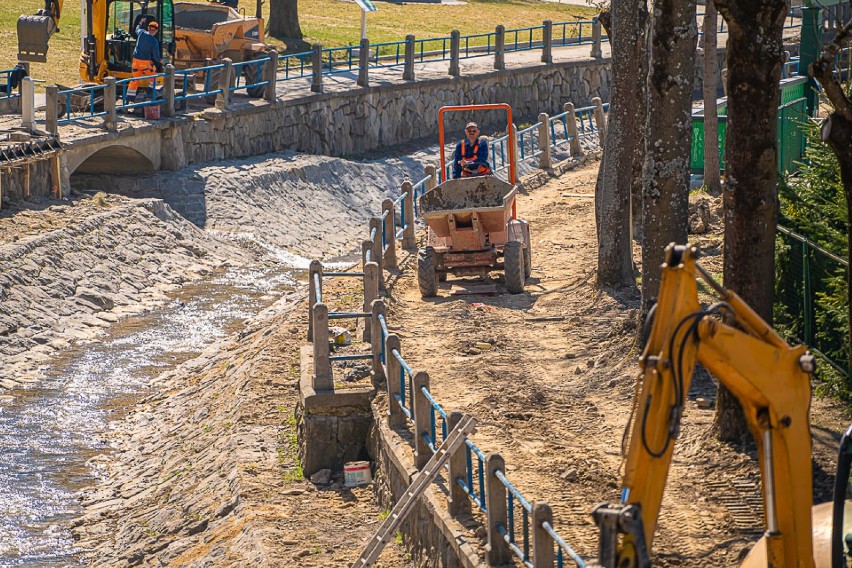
(554, 394)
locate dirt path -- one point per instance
(553, 395)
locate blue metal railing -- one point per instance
(509, 532)
(562, 548)
(562, 35)
(246, 69)
(404, 385)
(560, 119)
(7, 92)
(524, 39)
(528, 138)
(74, 109)
(467, 484)
(501, 144)
(477, 45)
(419, 189)
(399, 201)
(294, 66)
(435, 411)
(339, 59)
(187, 77)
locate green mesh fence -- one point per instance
(810, 293)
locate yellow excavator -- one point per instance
(191, 35)
(771, 380)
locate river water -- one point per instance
(48, 434)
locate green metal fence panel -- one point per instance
(791, 135)
(810, 292)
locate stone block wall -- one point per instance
(329, 437)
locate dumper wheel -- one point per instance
(513, 267)
(528, 260)
(427, 278)
(254, 74)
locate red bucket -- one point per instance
(152, 112)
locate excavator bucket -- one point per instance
(33, 35)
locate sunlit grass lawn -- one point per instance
(330, 22)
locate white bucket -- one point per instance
(356, 473)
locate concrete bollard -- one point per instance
(371, 293)
(28, 104)
(270, 75)
(600, 119)
(377, 342)
(364, 64)
(51, 118)
(497, 550)
(431, 172)
(393, 367)
(169, 91)
(455, 45)
(459, 503)
(545, 159)
(547, 42)
(597, 52)
(316, 60)
(500, 47)
(223, 99)
(408, 68)
(571, 122)
(724, 74)
(366, 252)
(322, 378)
(389, 258)
(422, 420)
(542, 542)
(516, 149)
(377, 254)
(110, 96)
(313, 296)
(409, 241)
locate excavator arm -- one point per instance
(34, 32)
(770, 379)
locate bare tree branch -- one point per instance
(823, 71)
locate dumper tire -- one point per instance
(427, 278)
(528, 260)
(251, 74)
(513, 267)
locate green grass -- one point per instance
(333, 23)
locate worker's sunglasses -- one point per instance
(471, 129)
(153, 27)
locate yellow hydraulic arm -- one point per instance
(769, 378)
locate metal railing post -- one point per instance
(371, 293)
(51, 114)
(497, 550)
(542, 542)
(389, 258)
(571, 122)
(500, 47)
(547, 42)
(408, 68)
(459, 503)
(315, 268)
(597, 52)
(600, 119)
(271, 75)
(364, 64)
(223, 99)
(376, 340)
(110, 94)
(322, 379)
(316, 60)
(422, 420)
(393, 369)
(169, 91)
(409, 242)
(28, 103)
(545, 159)
(455, 45)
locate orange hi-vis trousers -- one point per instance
(141, 68)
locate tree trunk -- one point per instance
(612, 194)
(754, 58)
(667, 140)
(712, 179)
(638, 125)
(283, 24)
